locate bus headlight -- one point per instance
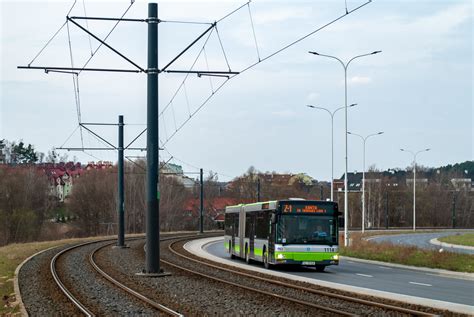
(280, 256)
(335, 257)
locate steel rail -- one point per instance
(127, 289)
(54, 272)
(301, 288)
(281, 297)
(61, 285)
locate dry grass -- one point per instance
(461, 239)
(408, 255)
(10, 257)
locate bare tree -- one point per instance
(24, 203)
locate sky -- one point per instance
(418, 91)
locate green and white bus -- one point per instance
(302, 232)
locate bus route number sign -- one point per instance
(287, 208)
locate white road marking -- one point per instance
(385, 267)
(365, 275)
(422, 284)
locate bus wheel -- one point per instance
(265, 260)
(247, 255)
(320, 268)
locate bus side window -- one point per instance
(262, 225)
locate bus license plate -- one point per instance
(308, 263)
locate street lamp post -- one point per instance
(414, 182)
(364, 139)
(332, 141)
(346, 203)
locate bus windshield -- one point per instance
(307, 229)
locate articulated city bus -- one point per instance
(302, 232)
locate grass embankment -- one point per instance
(466, 239)
(10, 257)
(408, 255)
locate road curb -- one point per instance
(462, 275)
(196, 247)
(435, 241)
(16, 285)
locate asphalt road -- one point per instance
(382, 278)
(421, 240)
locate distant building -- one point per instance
(462, 183)
(176, 172)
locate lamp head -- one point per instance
(427, 149)
(376, 52)
(402, 150)
(381, 132)
(352, 105)
(310, 106)
(315, 53)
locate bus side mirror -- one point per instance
(274, 219)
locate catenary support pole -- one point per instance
(201, 201)
(258, 189)
(152, 189)
(121, 203)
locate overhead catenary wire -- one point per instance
(304, 37)
(47, 43)
(69, 137)
(262, 60)
(187, 75)
(207, 66)
(253, 31)
(225, 57)
(87, 24)
(75, 83)
(107, 36)
(223, 50)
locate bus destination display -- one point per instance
(289, 208)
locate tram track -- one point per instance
(88, 309)
(361, 304)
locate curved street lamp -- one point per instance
(364, 139)
(345, 66)
(332, 140)
(414, 181)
